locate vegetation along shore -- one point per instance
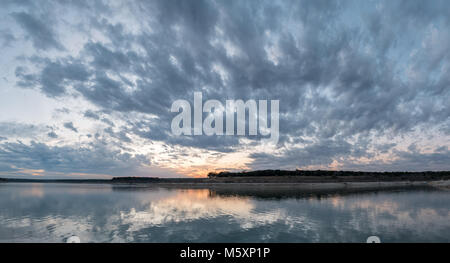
(299, 179)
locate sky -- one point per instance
(86, 87)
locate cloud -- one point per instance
(344, 72)
(323, 153)
(52, 134)
(95, 159)
(69, 125)
(38, 31)
(7, 38)
(92, 115)
(54, 75)
(22, 130)
(437, 160)
(122, 136)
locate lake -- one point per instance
(35, 212)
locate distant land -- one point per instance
(265, 176)
(266, 181)
(327, 173)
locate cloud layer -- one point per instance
(361, 85)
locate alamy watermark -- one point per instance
(257, 114)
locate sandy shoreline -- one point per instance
(306, 187)
(261, 184)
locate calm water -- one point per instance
(103, 213)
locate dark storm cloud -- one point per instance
(54, 74)
(52, 134)
(40, 33)
(159, 130)
(97, 116)
(107, 121)
(54, 77)
(95, 159)
(323, 152)
(340, 69)
(92, 115)
(122, 136)
(69, 125)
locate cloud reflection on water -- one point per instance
(100, 213)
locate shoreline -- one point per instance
(438, 184)
(280, 180)
(260, 184)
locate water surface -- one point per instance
(32, 212)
